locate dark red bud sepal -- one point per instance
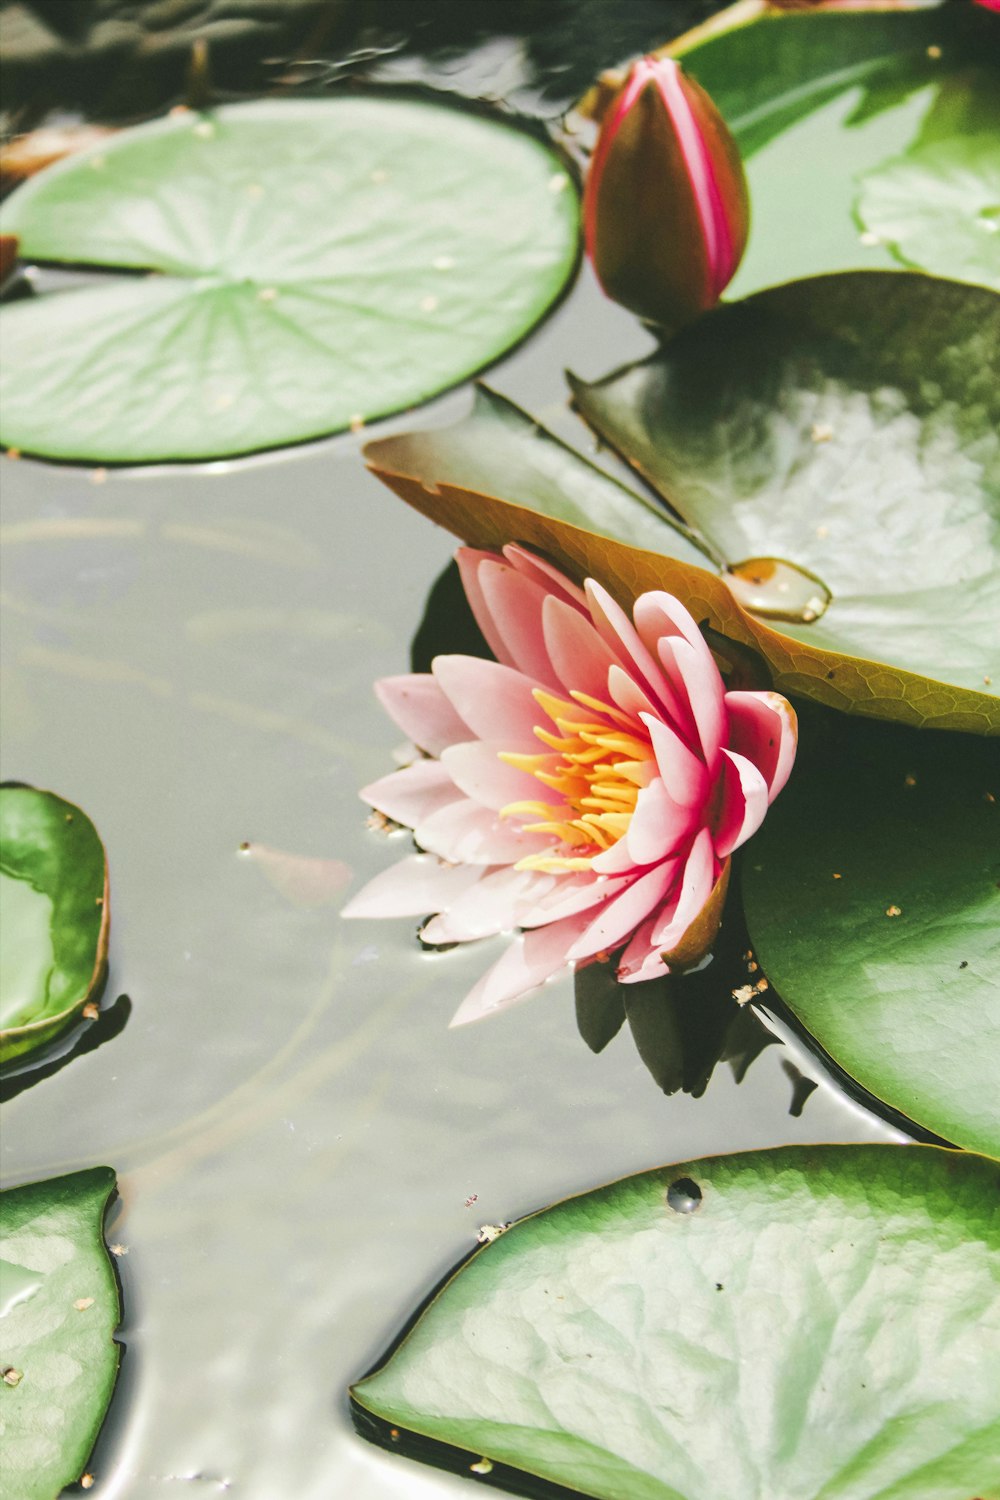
(666, 208)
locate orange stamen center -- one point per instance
(595, 766)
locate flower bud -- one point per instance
(666, 209)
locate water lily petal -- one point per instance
(546, 574)
(469, 563)
(617, 860)
(568, 895)
(578, 653)
(417, 704)
(515, 602)
(659, 614)
(629, 696)
(703, 688)
(658, 826)
(412, 887)
(528, 961)
(622, 915)
(466, 833)
(495, 701)
(412, 794)
(642, 958)
(621, 635)
(477, 770)
(742, 805)
(488, 907)
(684, 775)
(695, 888)
(763, 727)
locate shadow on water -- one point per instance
(86, 1037)
(113, 60)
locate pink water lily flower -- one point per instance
(587, 787)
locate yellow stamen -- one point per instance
(596, 766)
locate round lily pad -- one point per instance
(872, 896)
(801, 1322)
(318, 263)
(55, 917)
(59, 1309)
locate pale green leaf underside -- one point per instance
(820, 1326)
(880, 926)
(62, 1359)
(324, 262)
(54, 914)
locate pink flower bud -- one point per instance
(666, 209)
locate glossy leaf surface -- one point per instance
(872, 896)
(59, 1308)
(849, 425)
(799, 1322)
(56, 915)
(861, 94)
(323, 262)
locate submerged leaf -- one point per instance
(59, 1308)
(56, 916)
(324, 262)
(805, 1321)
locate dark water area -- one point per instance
(303, 1147)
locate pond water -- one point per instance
(188, 655)
(302, 1146)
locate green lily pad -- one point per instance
(849, 425)
(872, 896)
(323, 262)
(938, 205)
(55, 917)
(822, 103)
(801, 1322)
(59, 1309)
(745, 407)
(498, 449)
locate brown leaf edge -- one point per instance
(847, 683)
(17, 1040)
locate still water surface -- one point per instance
(188, 654)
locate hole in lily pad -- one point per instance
(684, 1196)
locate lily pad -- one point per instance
(872, 897)
(322, 262)
(849, 425)
(56, 916)
(938, 205)
(855, 92)
(59, 1309)
(487, 503)
(805, 1321)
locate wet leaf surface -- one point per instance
(321, 263)
(898, 515)
(59, 1308)
(880, 925)
(825, 1305)
(848, 425)
(56, 916)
